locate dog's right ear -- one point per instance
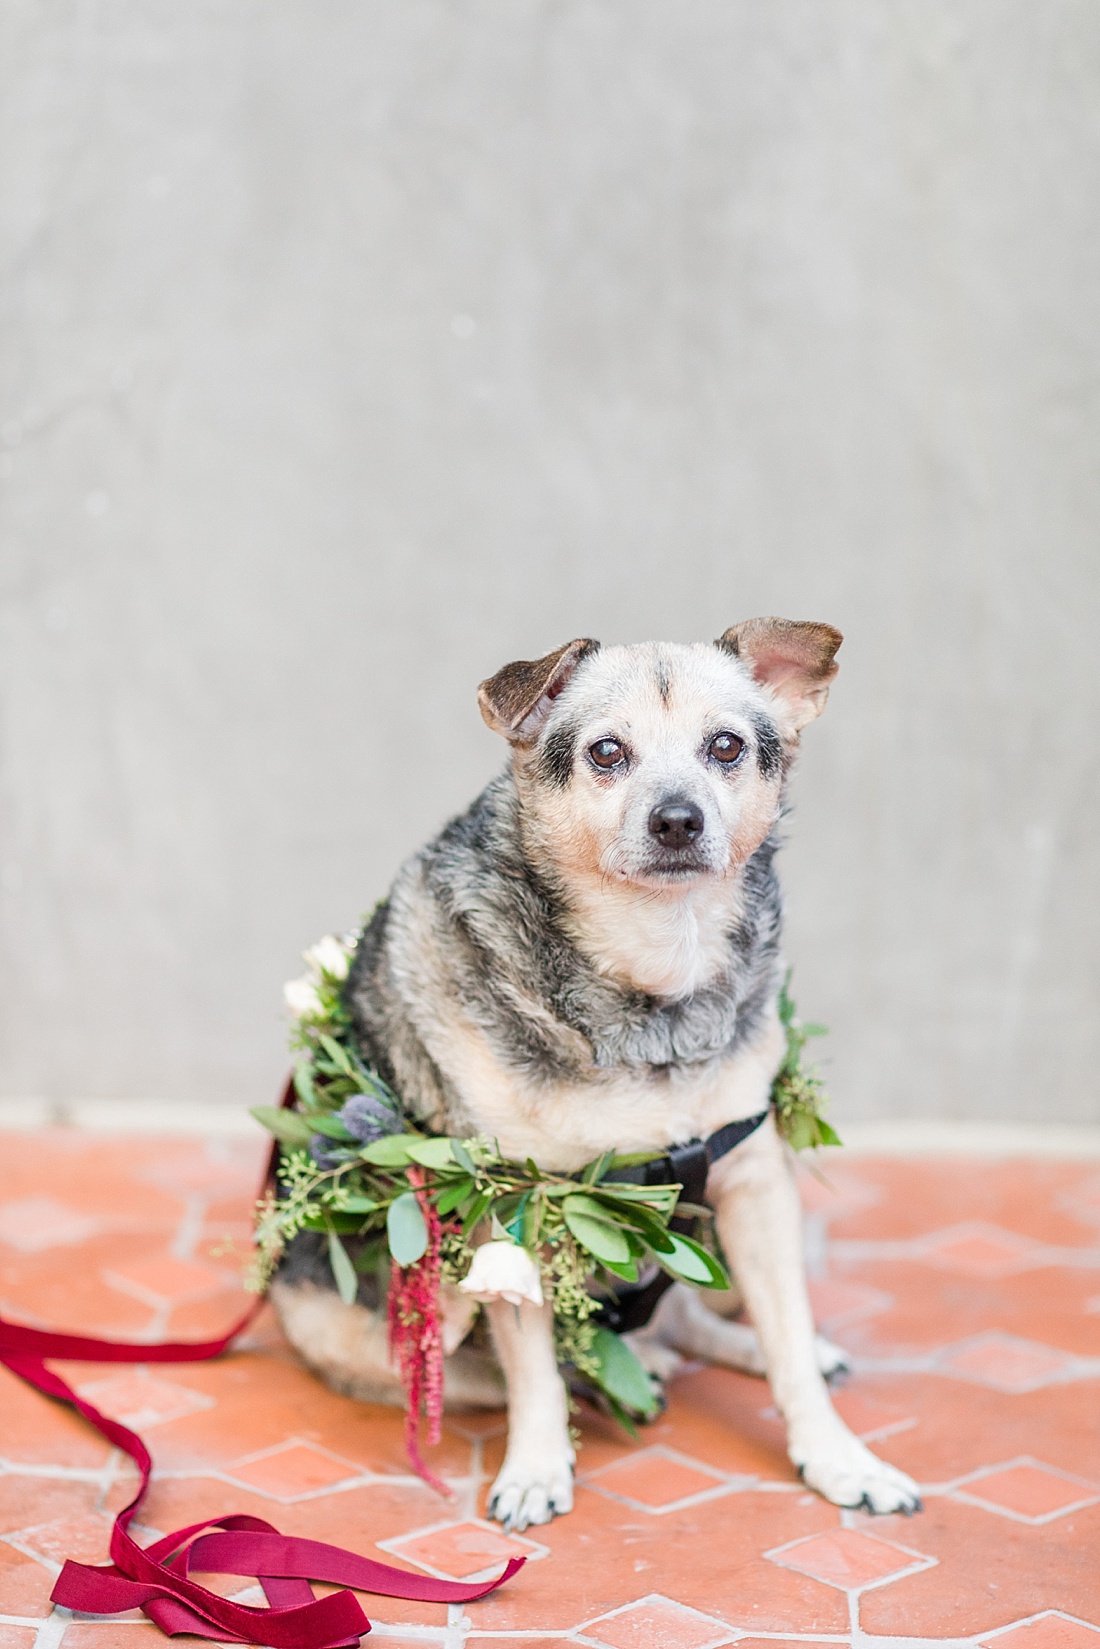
(516, 701)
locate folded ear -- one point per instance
(794, 662)
(516, 701)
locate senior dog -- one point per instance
(589, 960)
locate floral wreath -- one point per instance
(456, 1225)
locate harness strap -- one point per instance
(685, 1165)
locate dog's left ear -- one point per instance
(516, 701)
(794, 662)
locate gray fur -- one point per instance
(500, 951)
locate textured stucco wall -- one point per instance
(352, 348)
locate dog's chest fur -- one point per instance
(471, 995)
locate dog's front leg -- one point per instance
(536, 1479)
(760, 1226)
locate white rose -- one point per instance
(300, 996)
(503, 1271)
(329, 955)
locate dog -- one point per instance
(589, 960)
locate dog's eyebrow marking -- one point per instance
(663, 682)
(556, 757)
(769, 747)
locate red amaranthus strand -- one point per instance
(416, 1336)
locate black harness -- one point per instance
(687, 1165)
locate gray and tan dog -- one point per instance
(589, 960)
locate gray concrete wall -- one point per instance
(352, 348)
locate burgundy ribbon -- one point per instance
(157, 1578)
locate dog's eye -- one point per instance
(726, 748)
(607, 753)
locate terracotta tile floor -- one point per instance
(968, 1293)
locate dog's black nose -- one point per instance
(676, 824)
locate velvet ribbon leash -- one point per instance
(157, 1579)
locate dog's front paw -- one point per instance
(529, 1491)
(848, 1474)
(831, 1360)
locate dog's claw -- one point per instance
(848, 1474)
(521, 1497)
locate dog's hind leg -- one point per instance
(536, 1479)
(685, 1326)
(759, 1223)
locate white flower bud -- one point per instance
(329, 955)
(300, 996)
(503, 1271)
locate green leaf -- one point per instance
(633, 1159)
(356, 1204)
(477, 1212)
(330, 1126)
(289, 1126)
(515, 1224)
(621, 1374)
(462, 1156)
(431, 1153)
(303, 1084)
(628, 1272)
(337, 1054)
(691, 1262)
(597, 1169)
(451, 1195)
(347, 1282)
(828, 1133)
(333, 1220)
(608, 1242)
(391, 1151)
(406, 1230)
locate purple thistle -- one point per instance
(368, 1118)
(325, 1152)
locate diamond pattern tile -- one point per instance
(981, 1250)
(974, 1367)
(1032, 1491)
(1007, 1363)
(33, 1224)
(655, 1480)
(836, 1303)
(140, 1399)
(164, 1280)
(847, 1558)
(1051, 1631)
(84, 1538)
(292, 1470)
(658, 1623)
(462, 1551)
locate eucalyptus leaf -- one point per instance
(462, 1156)
(355, 1204)
(347, 1283)
(431, 1153)
(288, 1126)
(406, 1230)
(391, 1151)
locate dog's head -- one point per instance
(662, 764)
